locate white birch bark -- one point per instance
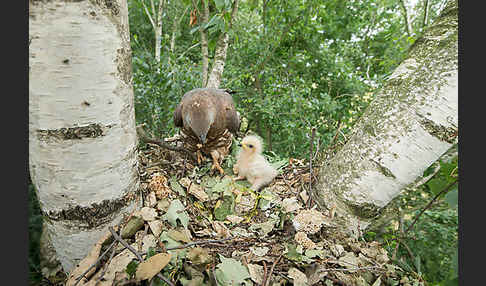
(156, 20)
(82, 139)
(204, 43)
(220, 54)
(409, 125)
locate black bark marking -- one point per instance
(73, 133)
(438, 131)
(93, 215)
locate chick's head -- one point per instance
(251, 144)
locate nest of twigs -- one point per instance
(199, 228)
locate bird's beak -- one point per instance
(203, 139)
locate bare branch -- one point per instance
(408, 25)
(148, 14)
(445, 190)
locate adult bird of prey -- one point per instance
(208, 119)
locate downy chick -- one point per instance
(252, 165)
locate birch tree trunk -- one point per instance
(82, 139)
(204, 43)
(409, 125)
(220, 54)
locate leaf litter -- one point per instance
(198, 228)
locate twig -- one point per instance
(287, 183)
(400, 227)
(196, 243)
(94, 264)
(106, 265)
(426, 179)
(124, 243)
(430, 203)
(264, 280)
(269, 278)
(336, 135)
(139, 257)
(350, 269)
(309, 200)
(145, 138)
(337, 281)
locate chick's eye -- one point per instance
(251, 146)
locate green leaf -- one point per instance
(230, 272)
(219, 4)
(417, 264)
(224, 208)
(223, 185)
(131, 268)
(292, 253)
(150, 252)
(176, 212)
(174, 185)
(195, 29)
(452, 198)
(211, 22)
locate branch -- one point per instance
(445, 190)
(148, 14)
(267, 281)
(405, 17)
(94, 264)
(159, 13)
(310, 166)
(426, 14)
(145, 138)
(190, 48)
(139, 257)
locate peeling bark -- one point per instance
(82, 138)
(409, 125)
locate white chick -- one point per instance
(252, 165)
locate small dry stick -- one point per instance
(287, 183)
(264, 281)
(94, 264)
(109, 260)
(269, 278)
(309, 200)
(337, 281)
(145, 138)
(139, 257)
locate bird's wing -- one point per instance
(232, 117)
(178, 115)
(258, 167)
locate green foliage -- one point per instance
(435, 235)
(35, 231)
(131, 268)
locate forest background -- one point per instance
(294, 65)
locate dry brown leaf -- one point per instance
(156, 227)
(148, 214)
(198, 191)
(150, 267)
(178, 236)
(87, 262)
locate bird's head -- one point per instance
(200, 117)
(251, 144)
